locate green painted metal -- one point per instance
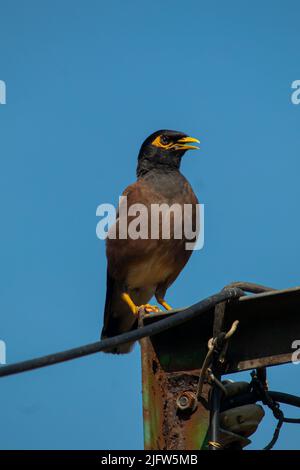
(165, 427)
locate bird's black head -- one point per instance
(163, 150)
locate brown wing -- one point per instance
(139, 265)
(122, 254)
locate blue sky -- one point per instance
(87, 81)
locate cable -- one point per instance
(275, 437)
(270, 399)
(149, 330)
(285, 398)
(250, 287)
(253, 397)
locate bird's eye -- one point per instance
(165, 140)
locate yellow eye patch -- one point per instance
(164, 142)
(159, 142)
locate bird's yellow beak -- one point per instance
(181, 144)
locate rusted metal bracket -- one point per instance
(268, 324)
(173, 419)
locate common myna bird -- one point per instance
(139, 268)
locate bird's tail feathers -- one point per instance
(121, 349)
(118, 318)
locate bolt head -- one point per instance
(186, 401)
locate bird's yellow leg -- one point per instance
(126, 297)
(163, 303)
(134, 308)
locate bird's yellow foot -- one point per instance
(147, 308)
(163, 303)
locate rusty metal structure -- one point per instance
(269, 322)
(186, 352)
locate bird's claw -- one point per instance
(147, 308)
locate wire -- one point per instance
(285, 398)
(252, 397)
(212, 343)
(270, 399)
(250, 287)
(276, 433)
(149, 330)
